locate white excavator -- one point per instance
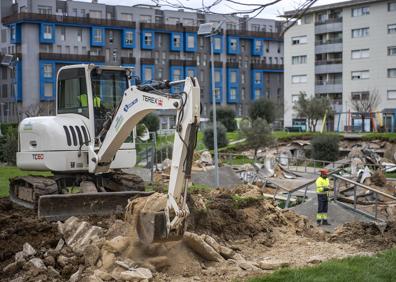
(92, 137)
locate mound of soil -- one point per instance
(367, 235)
(18, 226)
(229, 215)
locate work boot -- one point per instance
(325, 222)
(318, 222)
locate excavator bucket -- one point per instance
(150, 219)
(61, 206)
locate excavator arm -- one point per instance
(168, 220)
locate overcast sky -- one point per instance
(270, 12)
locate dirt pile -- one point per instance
(19, 225)
(366, 235)
(242, 213)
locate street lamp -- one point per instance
(209, 30)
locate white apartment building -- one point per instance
(345, 51)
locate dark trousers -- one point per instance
(323, 205)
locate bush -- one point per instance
(9, 145)
(263, 108)
(221, 136)
(226, 116)
(152, 122)
(325, 147)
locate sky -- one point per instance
(271, 12)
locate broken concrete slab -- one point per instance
(136, 274)
(198, 244)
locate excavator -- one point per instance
(92, 138)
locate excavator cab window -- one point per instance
(72, 92)
(108, 86)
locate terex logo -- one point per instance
(38, 157)
(153, 100)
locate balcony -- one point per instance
(327, 68)
(330, 41)
(147, 61)
(328, 62)
(188, 63)
(263, 66)
(328, 26)
(33, 17)
(128, 60)
(328, 48)
(71, 57)
(328, 86)
(329, 21)
(169, 27)
(251, 33)
(232, 65)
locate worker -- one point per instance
(96, 101)
(83, 100)
(322, 189)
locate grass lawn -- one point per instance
(7, 172)
(377, 268)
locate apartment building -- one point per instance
(159, 44)
(345, 51)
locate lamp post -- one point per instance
(209, 30)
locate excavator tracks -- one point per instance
(49, 196)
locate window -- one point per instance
(233, 44)
(79, 35)
(217, 93)
(111, 36)
(297, 60)
(360, 95)
(148, 74)
(71, 85)
(145, 18)
(217, 43)
(45, 10)
(148, 39)
(48, 71)
(357, 75)
(297, 40)
(62, 33)
(298, 79)
(217, 76)
(190, 41)
(360, 32)
(392, 6)
(233, 77)
(47, 32)
(255, 27)
(176, 40)
(257, 93)
(5, 91)
(190, 73)
(233, 94)
(129, 38)
(160, 73)
(231, 26)
(243, 78)
(95, 14)
(176, 74)
(257, 78)
(48, 89)
(391, 28)
(392, 73)
(258, 45)
(392, 51)
(98, 35)
(126, 17)
(361, 11)
(294, 98)
(391, 94)
(360, 54)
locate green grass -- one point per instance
(7, 172)
(376, 268)
(390, 174)
(379, 136)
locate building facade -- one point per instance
(347, 52)
(159, 44)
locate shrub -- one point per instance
(9, 145)
(325, 147)
(226, 116)
(263, 108)
(221, 136)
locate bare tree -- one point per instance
(240, 8)
(365, 103)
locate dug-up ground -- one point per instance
(228, 238)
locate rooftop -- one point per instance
(345, 4)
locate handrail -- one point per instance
(364, 186)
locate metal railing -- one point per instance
(328, 62)
(329, 21)
(329, 41)
(354, 207)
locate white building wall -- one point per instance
(300, 69)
